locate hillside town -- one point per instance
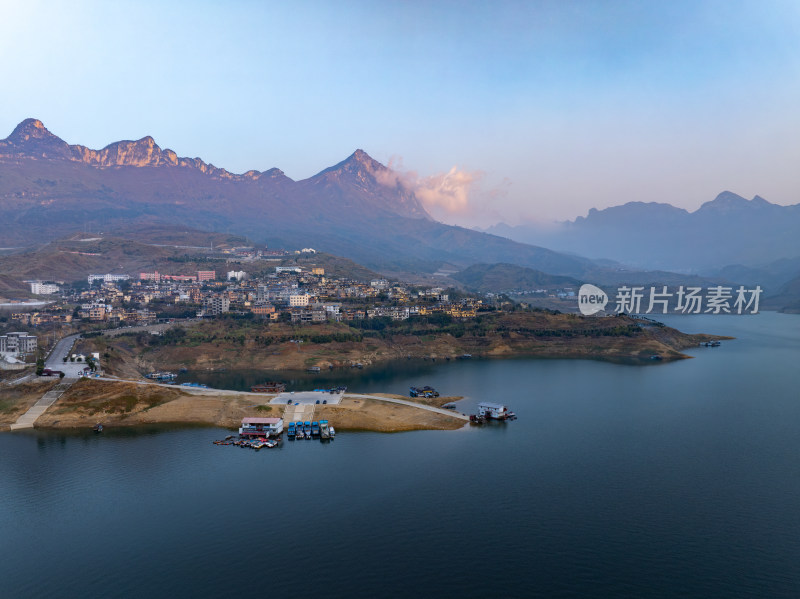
(291, 293)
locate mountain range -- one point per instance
(358, 208)
(361, 210)
(724, 232)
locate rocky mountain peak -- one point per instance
(29, 129)
(360, 157)
(359, 163)
(32, 138)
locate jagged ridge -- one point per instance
(32, 139)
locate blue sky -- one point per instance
(545, 109)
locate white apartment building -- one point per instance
(39, 288)
(17, 343)
(107, 278)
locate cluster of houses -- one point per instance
(302, 294)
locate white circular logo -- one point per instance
(591, 299)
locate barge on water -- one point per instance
(261, 427)
(269, 387)
(495, 411)
(162, 376)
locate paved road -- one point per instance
(306, 397)
(149, 328)
(62, 349)
(403, 402)
(17, 381)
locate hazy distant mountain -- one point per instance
(509, 277)
(728, 230)
(787, 298)
(357, 208)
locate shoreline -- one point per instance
(124, 404)
(124, 399)
(233, 345)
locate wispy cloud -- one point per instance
(448, 193)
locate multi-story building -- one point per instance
(107, 278)
(298, 299)
(216, 304)
(206, 275)
(264, 310)
(17, 343)
(179, 278)
(39, 288)
(308, 314)
(98, 313)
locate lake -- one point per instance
(663, 480)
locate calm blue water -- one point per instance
(670, 480)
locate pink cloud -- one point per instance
(443, 192)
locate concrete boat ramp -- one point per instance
(303, 412)
(47, 400)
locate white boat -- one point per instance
(331, 432)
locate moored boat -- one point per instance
(162, 376)
(495, 411)
(269, 387)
